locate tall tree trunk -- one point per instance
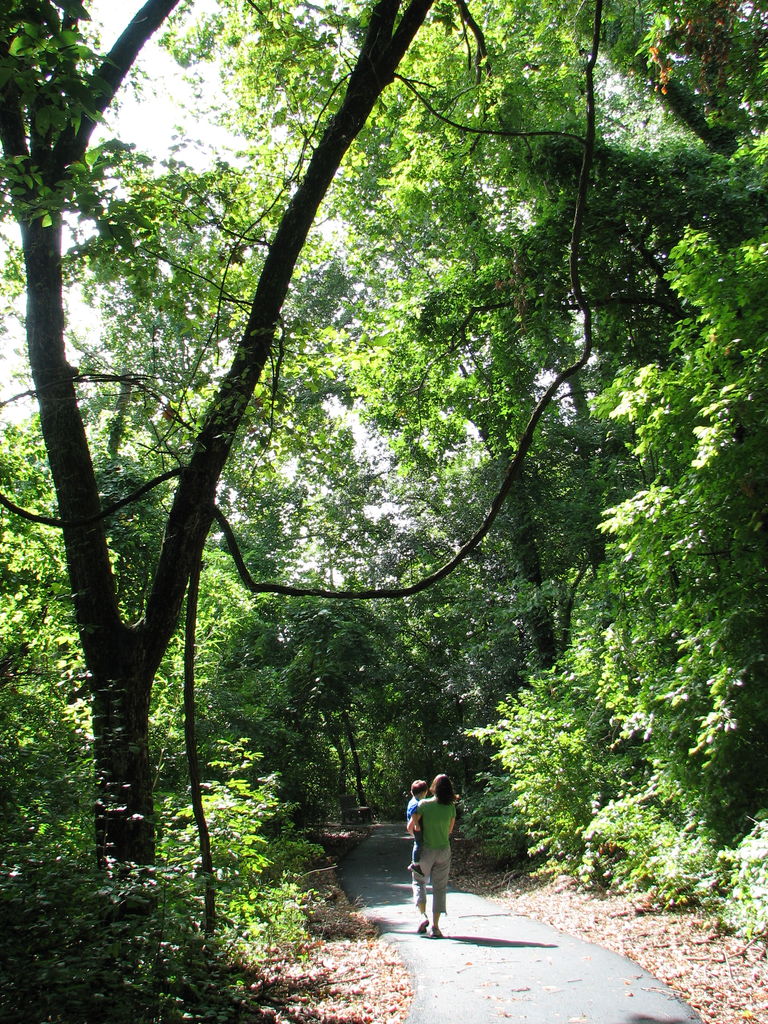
(119, 681)
(539, 619)
(193, 761)
(125, 827)
(63, 430)
(361, 797)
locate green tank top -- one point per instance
(436, 820)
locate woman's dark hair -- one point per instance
(442, 788)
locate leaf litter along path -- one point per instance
(350, 977)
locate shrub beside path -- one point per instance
(496, 966)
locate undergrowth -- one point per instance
(128, 945)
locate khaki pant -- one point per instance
(436, 865)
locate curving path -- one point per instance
(493, 966)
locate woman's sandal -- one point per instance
(422, 927)
(436, 933)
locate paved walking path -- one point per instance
(493, 966)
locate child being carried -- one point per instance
(419, 790)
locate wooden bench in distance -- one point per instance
(352, 813)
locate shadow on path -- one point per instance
(493, 966)
(476, 940)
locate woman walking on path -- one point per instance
(436, 817)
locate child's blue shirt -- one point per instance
(413, 803)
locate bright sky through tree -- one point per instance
(157, 108)
(156, 111)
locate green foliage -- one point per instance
(642, 841)
(747, 874)
(715, 49)
(50, 66)
(255, 848)
(45, 757)
(694, 541)
(422, 323)
(81, 945)
(552, 744)
(86, 947)
(45, 765)
(492, 818)
(654, 722)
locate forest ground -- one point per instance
(347, 976)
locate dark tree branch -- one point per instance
(586, 168)
(501, 133)
(189, 520)
(132, 380)
(481, 50)
(62, 524)
(512, 475)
